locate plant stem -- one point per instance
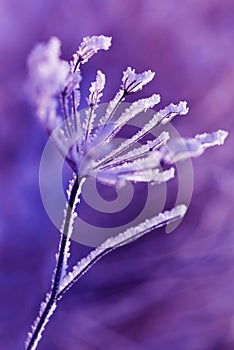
(51, 300)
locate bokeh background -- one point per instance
(164, 291)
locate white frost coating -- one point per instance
(119, 97)
(71, 221)
(161, 117)
(47, 72)
(180, 149)
(152, 176)
(96, 89)
(133, 82)
(121, 239)
(159, 141)
(89, 46)
(36, 322)
(216, 138)
(139, 151)
(73, 83)
(150, 161)
(47, 75)
(180, 108)
(93, 100)
(50, 76)
(136, 107)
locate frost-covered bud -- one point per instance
(96, 89)
(133, 82)
(88, 47)
(181, 108)
(72, 82)
(47, 72)
(213, 139)
(180, 149)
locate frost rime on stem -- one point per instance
(120, 240)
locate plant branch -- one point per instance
(128, 236)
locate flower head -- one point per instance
(87, 140)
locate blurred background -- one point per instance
(163, 291)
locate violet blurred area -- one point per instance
(164, 291)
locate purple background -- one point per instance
(162, 292)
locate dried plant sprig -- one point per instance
(120, 240)
(87, 147)
(93, 100)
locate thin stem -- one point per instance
(65, 113)
(87, 131)
(77, 65)
(74, 110)
(51, 300)
(122, 97)
(120, 240)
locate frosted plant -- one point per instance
(87, 144)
